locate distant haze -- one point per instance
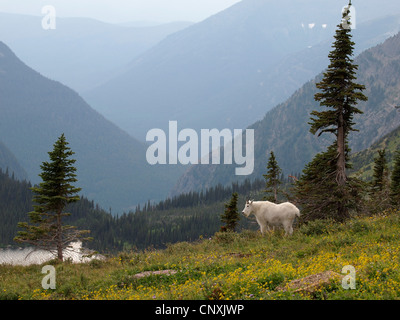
(121, 11)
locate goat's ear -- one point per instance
(251, 201)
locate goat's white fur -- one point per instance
(268, 213)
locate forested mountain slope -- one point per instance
(363, 161)
(9, 163)
(182, 218)
(285, 129)
(111, 165)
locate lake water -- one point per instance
(28, 256)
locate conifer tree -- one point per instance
(395, 180)
(380, 172)
(53, 194)
(272, 179)
(340, 94)
(231, 215)
(313, 190)
(379, 186)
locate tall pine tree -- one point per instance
(47, 230)
(340, 94)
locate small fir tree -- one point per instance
(272, 179)
(231, 215)
(317, 192)
(379, 186)
(380, 174)
(53, 194)
(395, 180)
(313, 190)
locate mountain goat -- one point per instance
(269, 213)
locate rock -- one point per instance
(311, 283)
(150, 273)
(239, 254)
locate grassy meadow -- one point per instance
(231, 266)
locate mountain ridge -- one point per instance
(81, 52)
(363, 161)
(285, 131)
(231, 68)
(111, 165)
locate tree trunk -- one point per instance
(341, 179)
(59, 238)
(341, 160)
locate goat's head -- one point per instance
(248, 208)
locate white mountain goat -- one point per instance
(269, 213)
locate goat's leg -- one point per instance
(288, 230)
(263, 229)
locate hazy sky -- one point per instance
(123, 10)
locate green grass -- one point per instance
(242, 265)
